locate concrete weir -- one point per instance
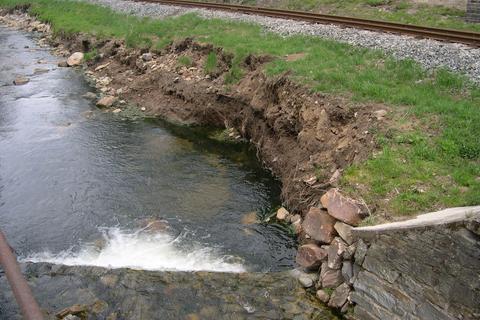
(423, 268)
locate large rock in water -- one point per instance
(319, 225)
(310, 256)
(75, 59)
(20, 81)
(342, 208)
(99, 293)
(106, 102)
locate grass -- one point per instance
(390, 10)
(211, 63)
(185, 61)
(430, 158)
(90, 55)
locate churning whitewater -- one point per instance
(145, 251)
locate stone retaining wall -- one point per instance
(425, 268)
(473, 11)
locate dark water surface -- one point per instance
(72, 175)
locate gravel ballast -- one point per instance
(429, 53)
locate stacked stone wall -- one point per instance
(473, 11)
(420, 271)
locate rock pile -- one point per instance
(330, 249)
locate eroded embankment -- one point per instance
(306, 139)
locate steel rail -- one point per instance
(466, 37)
(22, 292)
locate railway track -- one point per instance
(466, 37)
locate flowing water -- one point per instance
(80, 186)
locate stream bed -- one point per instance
(137, 211)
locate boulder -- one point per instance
(335, 252)
(339, 296)
(306, 282)
(106, 102)
(323, 296)
(306, 279)
(342, 208)
(344, 231)
(310, 256)
(319, 225)
(330, 278)
(282, 214)
(75, 59)
(20, 81)
(147, 56)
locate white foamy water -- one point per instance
(145, 251)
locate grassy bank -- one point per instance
(429, 158)
(403, 11)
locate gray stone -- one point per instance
(347, 271)
(360, 252)
(306, 282)
(344, 231)
(349, 252)
(425, 268)
(147, 56)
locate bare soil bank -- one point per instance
(305, 139)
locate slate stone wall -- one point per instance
(473, 11)
(427, 272)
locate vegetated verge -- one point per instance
(440, 14)
(403, 139)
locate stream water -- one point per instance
(80, 186)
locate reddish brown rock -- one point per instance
(342, 208)
(335, 252)
(310, 256)
(75, 59)
(339, 296)
(330, 278)
(319, 225)
(344, 231)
